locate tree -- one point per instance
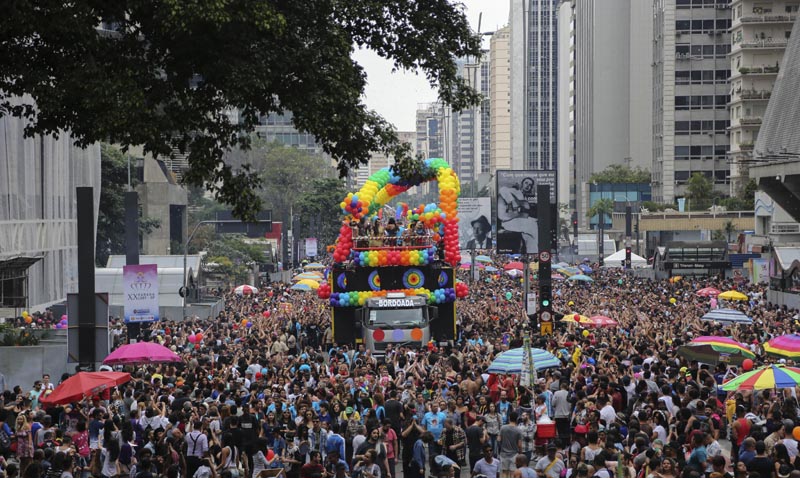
(111, 216)
(699, 191)
(619, 174)
(601, 206)
(164, 74)
(319, 210)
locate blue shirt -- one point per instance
(418, 454)
(434, 423)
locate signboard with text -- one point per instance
(140, 288)
(311, 247)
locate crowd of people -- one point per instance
(275, 395)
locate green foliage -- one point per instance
(169, 71)
(11, 336)
(234, 257)
(601, 206)
(699, 191)
(111, 217)
(319, 210)
(620, 174)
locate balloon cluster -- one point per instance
(384, 185)
(62, 324)
(27, 317)
(324, 291)
(344, 244)
(195, 338)
(247, 323)
(394, 257)
(462, 290)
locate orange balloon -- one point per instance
(416, 334)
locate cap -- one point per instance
(348, 410)
(552, 446)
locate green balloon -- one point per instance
(619, 282)
(508, 295)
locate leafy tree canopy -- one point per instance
(619, 174)
(164, 74)
(601, 206)
(319, 210)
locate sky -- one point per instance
(395, 95)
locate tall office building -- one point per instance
(690, 95)
(759, 34)
(500, 100)
(605, 91)
(534, 84)
(379, 160)
(430, 138)
(277, 127)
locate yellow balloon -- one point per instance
(585, 333)
(672, 300)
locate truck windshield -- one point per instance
(391, 318)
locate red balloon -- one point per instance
(270, 455)
(199, 337)
(747, 364)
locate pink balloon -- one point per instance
(192, 339)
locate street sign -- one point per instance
(546, 328)
(544, 256)
(531, 305)
(545, 316)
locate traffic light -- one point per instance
(636, 228)
(545, 297)
(575, 224)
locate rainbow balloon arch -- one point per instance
(441, 218)
(379, 189)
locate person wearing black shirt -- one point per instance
(394, 412)
(476, 437)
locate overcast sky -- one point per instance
(395, 95)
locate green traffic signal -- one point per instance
(545, 303)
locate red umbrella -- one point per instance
(708, 292)
(83, 384)
(513, 265)
(602, 321)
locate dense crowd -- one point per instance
(262, 389)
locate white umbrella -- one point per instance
(245, 290)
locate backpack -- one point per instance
(5, 440)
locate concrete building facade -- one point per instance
(690, 95)
(500, 100)
(534, 84)
(607, 91)
(760, 31)
(38, 217)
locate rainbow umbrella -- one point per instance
(784, 346)
(733, 295)
(713, 350)
(770, 376)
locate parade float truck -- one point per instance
(397, 290)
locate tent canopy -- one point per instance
(617, 259)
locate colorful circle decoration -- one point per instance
(443, 279)
(398, 335)
(413, 279)
(378, 335)
(416, 334)
(374, 281)
(341, 281)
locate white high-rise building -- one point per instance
(605, 90)
(691, 42)
(759, 34)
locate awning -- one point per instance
(16, 267)
(788, 258)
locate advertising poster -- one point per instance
(140, 286)
(311, 247)
(475, 223)
(517, 227)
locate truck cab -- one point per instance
(401, 320)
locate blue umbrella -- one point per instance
(510, 361)
(727, 316)
(491, 269)
(561, 265)
(483, 258)
(303, 287)
(585, 269)
(581, 277)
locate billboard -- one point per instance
(475, 223)
(140, 287)
(311, 247)
(517, 228)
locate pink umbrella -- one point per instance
(141, 352)
(602, 321)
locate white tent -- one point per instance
(617, 259)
